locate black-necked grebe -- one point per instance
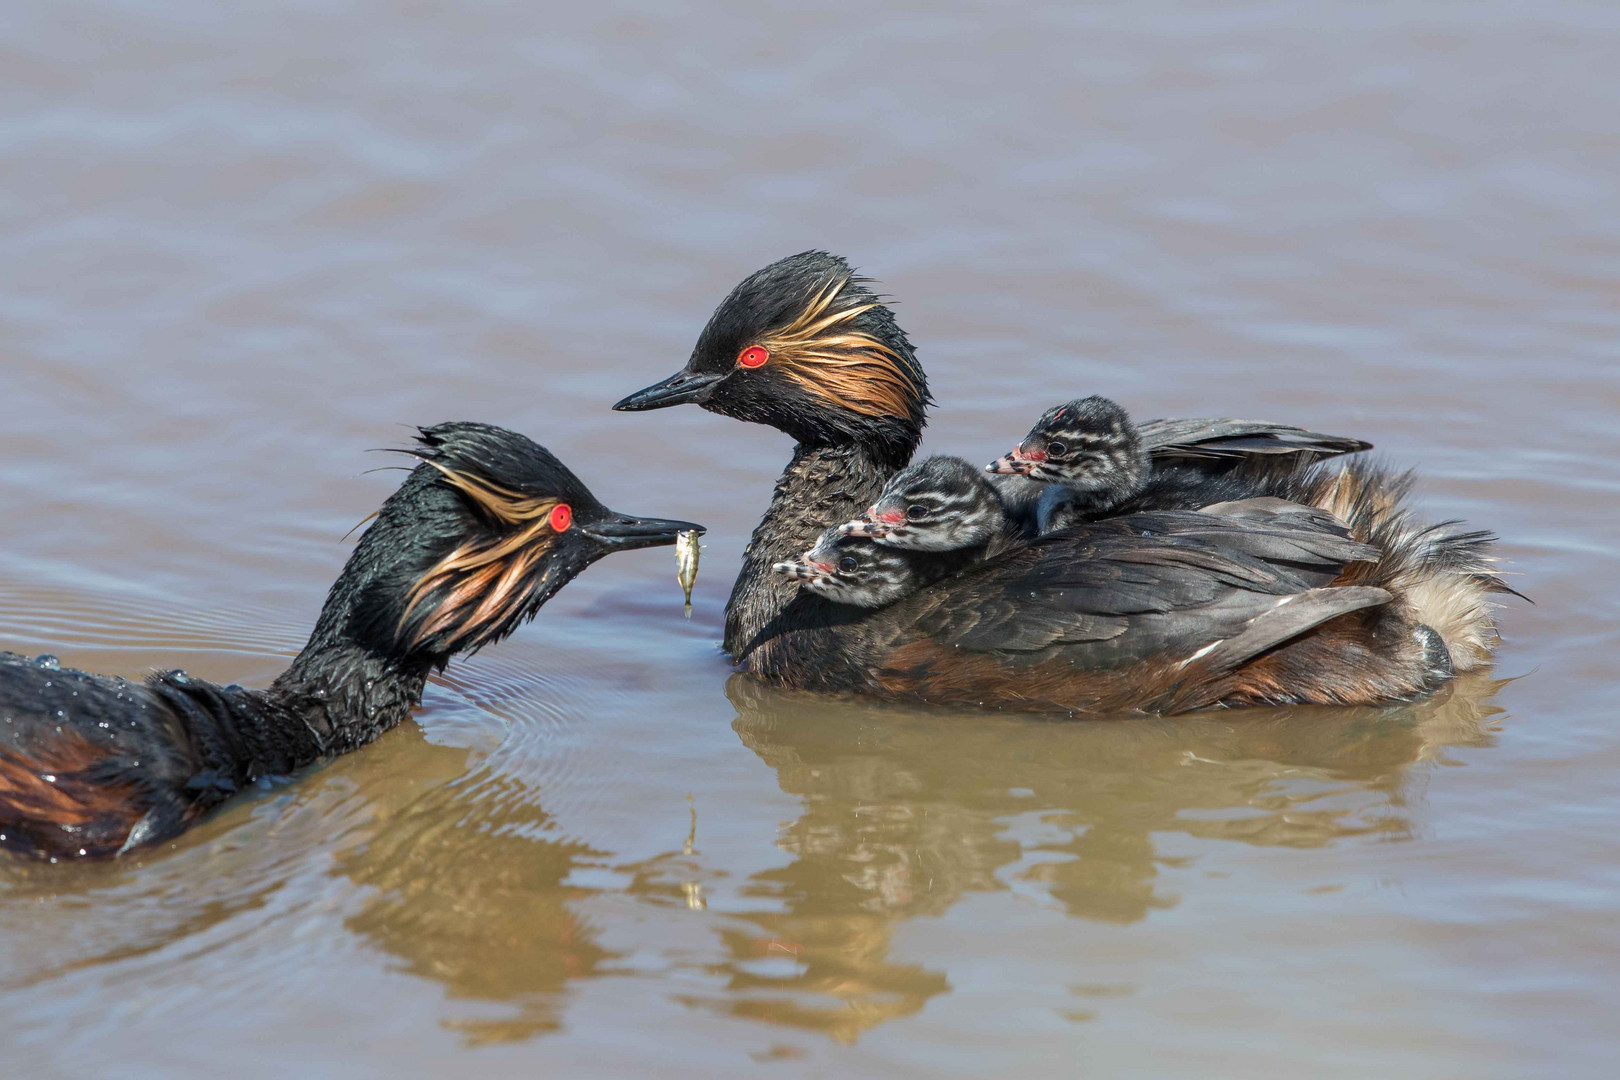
(482, 533)
(1156, 611)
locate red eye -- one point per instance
(562, 516)
(753, 356)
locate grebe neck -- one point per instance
(821, 486)
(332, 699)
(346, 694)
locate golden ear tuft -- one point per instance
(840, 364)
(482, 582)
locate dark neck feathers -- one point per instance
(347, 694)
(822, 485)
(349, 683)
(333, 699)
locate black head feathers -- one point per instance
(804, 346)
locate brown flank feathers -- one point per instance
(53, 803)
(1440, 576)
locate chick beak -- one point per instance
(872, 523)
(803, 568)
(1013, 464)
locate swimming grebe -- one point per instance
(480, 535)
(1158, 611)
(939, 504)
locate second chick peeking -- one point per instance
(931, 519)
(939, 504)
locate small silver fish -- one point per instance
(686, 564)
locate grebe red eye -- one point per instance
(562, 516)
(754, 356)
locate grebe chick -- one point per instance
(939, 504)
(1089, 461)
(482, 533)
(858, 571)
(1089, 454)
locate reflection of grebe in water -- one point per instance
(445, 863)
(906, 814)
(472, 891)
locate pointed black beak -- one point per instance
(621, 532)
(678, 389)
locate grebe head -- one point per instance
(939, 504)
(854, 570)
(1088, 445)
(804, 346)
(481, 534)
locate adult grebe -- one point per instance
(481, 534)
(1342, 599)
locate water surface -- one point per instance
(240, 245)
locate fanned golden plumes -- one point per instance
(840, 364)
(483, 580)
(1443, 575)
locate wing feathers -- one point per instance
(1288, 618)
(1194, 437)
(1152, 585)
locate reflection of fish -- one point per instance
(686, 564)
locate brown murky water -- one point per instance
(243, 244)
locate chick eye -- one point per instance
(1056, 447)
(916, 513)
(562, 516)
(754, 356)
(848, 564)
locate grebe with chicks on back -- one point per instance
(1345, 599)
